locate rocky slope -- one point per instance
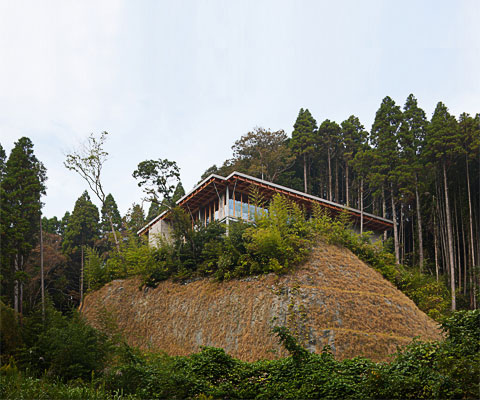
(333, 299)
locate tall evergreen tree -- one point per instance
(64, 223)
(3, 158)
(328, 140)
(411, 139)
(303, 140)
(110, 211)
(384, 138)
(178, 193)
(442, 145)
(470, 143)
(153, 211)
(354, 140)
(134, 219)
(82, 230)
(23, 184)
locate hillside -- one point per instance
(333, 299)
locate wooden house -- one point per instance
(229, 199)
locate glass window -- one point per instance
(238, 209)
(245, 211)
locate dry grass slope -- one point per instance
(333, 299)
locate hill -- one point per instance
(334, 299)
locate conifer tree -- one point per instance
(411, 140)
(328, 139)
(470, 143)
(22, 187)
(384, 138)
(178, 193)
(153, 211)
(354, 139)
(134, 219)
(110, 211)
(442, 145)
(82, 230)
(303, 140)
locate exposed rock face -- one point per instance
(333, 299)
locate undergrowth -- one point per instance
(446, 370)
(281, 238)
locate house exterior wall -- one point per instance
(160, 230)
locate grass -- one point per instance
(334, 292)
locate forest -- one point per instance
(424, 174)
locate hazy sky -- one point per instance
(184, 79)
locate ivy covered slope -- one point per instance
(332, 298)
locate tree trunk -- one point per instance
(20, 299)
(450, 238)
(305, 173)
(81, 278)
(419, 225)
(384, 212)
(16, 287)
(42, 282)
(457, 245)
(361, 206)
(435, 243)
(470, 218)
(117, 244)
(347, 194)
(465, 261)
(336, 182)
(395, 228)
(329, 175)
(401, 237)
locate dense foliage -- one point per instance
(439, 370)
(421, 174)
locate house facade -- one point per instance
(230, 199)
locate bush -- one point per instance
(68, 349)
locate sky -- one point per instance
(184, 79)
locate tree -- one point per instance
(88, 162)
(178, 193)
(23, 183)
(303, 140)
(384, 138)
(153, 211)
(82, 230)
(354, 139)
(443, 145)
(134, 220)
(470, 143)
(209, 171)
(411, 140)
(3, 157)
(64, 223)
(328, 139)
(158, 178)
(110, 211)
(51, 225)
(263, 153)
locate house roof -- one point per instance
(214, 184)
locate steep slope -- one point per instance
(333, 299)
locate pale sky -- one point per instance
(184, 79)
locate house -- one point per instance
(229, 199)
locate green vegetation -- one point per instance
(280, 239)
(105, 368)
(422, 174)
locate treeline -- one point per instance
(422, 174)
(48, 257)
